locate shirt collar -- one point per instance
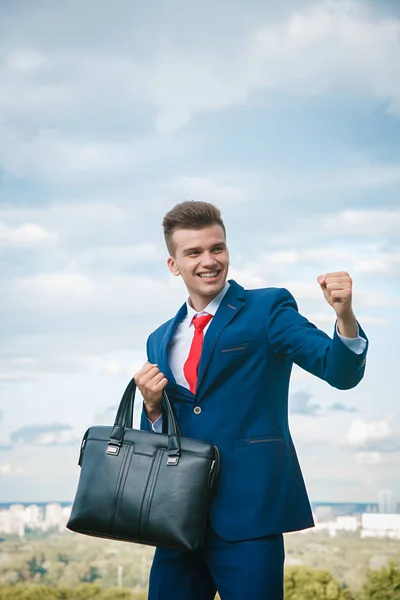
(210, 309)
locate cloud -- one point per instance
(57, 157)
(340, 407)
(112, 367)
(55, 434)
(322, 318)
(107, 416)
(208, 189)
(321, 47)
(373, 436)
(377, 222)
(332, 44)
(7, 470)
(29, 234)
(368, 458)
(300, 404)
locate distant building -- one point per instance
(380, 525)
(53, 514)
(387, 502)
(17, 518)
(33, 516)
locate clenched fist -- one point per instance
(151, 383)
(338, 290)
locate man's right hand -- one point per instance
(151, 383)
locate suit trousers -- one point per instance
(237, 570)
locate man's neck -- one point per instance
(199, 303)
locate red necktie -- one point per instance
(191, 365)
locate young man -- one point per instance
(225, 360)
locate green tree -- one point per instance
(302, 583)
(383, 584)
(91, 575)
(36, 566)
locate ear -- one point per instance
(171, 262)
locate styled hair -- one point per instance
(191, 214)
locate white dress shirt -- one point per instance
(179, 346)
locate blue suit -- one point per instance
(243, 381)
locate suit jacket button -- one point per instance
(197, 410)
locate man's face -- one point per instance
(201, 257)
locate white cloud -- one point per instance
(362, 432)
(364, 222)
(54, 438)
(112, 367)
(192, 188)
(328, 45)
(120, 256)
(373, 298)
(25, 61)
(28, 234)
(8, 470)
(327, 318)
(324, 46)
(368, 458)
(55, 156)
(332, 43)
(135, 294)
(45, 435)
(49, 288)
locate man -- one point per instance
(225, 360)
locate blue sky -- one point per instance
(287, 118)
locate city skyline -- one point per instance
(286, 116)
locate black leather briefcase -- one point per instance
(144, 487)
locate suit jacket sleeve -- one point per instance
(293, 337)
(144, 421)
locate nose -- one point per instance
(208, 260)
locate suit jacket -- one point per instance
(247, 357)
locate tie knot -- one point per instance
(200, 322)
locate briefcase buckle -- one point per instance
(112, 449)
(172, 461)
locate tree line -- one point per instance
(301, 583)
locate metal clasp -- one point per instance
(112, 449)
(172, 461)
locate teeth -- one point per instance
(208, 274)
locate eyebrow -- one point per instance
(198, 249)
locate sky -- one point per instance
(284, 115)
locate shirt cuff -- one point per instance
(157, 425)
(356, 345)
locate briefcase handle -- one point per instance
(123, 421)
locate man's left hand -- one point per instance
(337, 289)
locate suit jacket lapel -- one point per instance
(230, 306)
(164, 366)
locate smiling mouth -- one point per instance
(209, 274)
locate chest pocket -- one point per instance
(238, 348)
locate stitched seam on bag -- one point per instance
(151, 488)
(124, 477)
(115, 500)
(146, 485)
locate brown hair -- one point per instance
(191, 214)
